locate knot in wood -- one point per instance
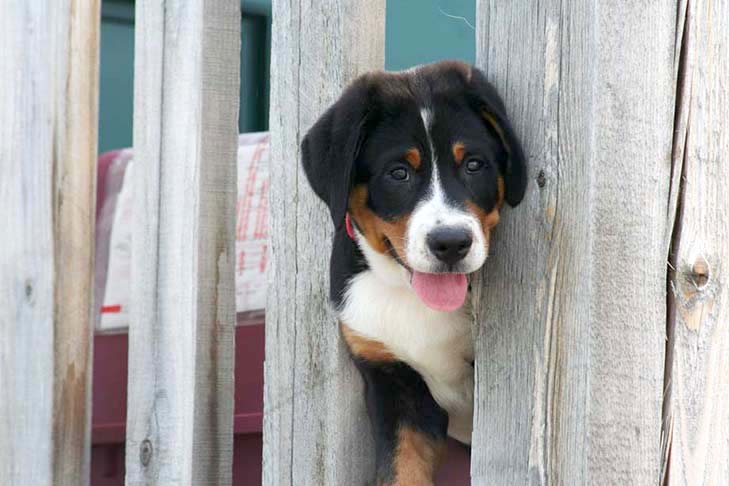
(29, 290)
(541, 179)
(700, 273)
(145, 452)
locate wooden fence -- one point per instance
(602, 332)
(180, 406)
(181, 341)
(601, 318)
(315, 427)
(48, 113)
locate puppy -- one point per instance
(414, 167)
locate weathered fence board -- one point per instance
(315, 426)
(48, 123)
(697, 375)
(572, 315)
(180, 405)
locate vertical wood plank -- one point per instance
(181, 341)
(48, 133)
(74, 213)
(572, 310)
(315, 426)
(697, 381)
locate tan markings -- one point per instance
(413, 157)
(369, 349)
(490, 219)
(375, 229)
(417, 458)
(502, 192)
(459, 150)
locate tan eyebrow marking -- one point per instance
(413, 157)
(459, 150)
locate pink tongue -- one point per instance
(440, 291)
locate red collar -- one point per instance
(349, 227)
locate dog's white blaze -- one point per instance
(436, 211)
(427, 115)
(380, 304)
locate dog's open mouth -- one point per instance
(439, 291)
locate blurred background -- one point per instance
(417, 32)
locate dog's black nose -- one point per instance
(449, 244)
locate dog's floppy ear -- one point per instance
(488, 103)
(330, 148)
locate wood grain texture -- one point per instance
(571, 316)
(697, 381)
(181, 341)
(48, 110)
(315, 428)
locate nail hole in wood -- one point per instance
(145, 452)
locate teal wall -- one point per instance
(422, 31)
(116, 76)
(417, 31)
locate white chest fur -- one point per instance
(436, 344)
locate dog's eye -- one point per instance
(474, 165)
(399, 174)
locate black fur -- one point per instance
(484, 95)
(346, 262)
(362, 139)
(397, 396)
(331, 146)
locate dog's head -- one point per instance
(422, 162)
